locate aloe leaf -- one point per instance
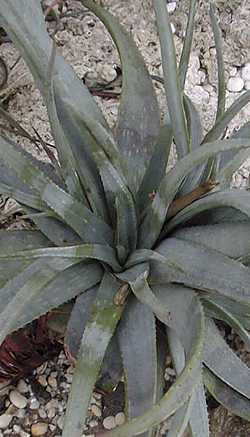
(231, 162)
(196, 409)
(220, 63)
(225, 395)
(74, 213)
(96, 337)
(217, 311)
(112, 367)
(180, 419)
(231, 239)
(156, 215)
(156, 168)
(31, 200)
(211, 270)
(64, 287)
(25, 25)
(18, 292)
(171, 79)
(239, 310)
(138, 119)
(137, 342)
(223, 362)
(195, 135)
(109, 166)
(222, 123)
(81, 251)
(11, 241)
(137, 279)
(185, 54)
(237, 199)
(214, 163)
(187, 312)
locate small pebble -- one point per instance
(235, 84)
(18, 399)
(247, 85)
(42, 380)
(5, 420)
(109, 422)
(39, 428)
(60, 422)
(96, 410)
(22, 387)
(171, 7)
(245, 72)
(34, 404)
(93, 423)
(120, 419)
(52, 382)
(173, 28)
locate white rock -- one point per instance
(42, 379)
(171, 7)
(96, 410)
(109, 422)
(60, 422)
(173, 28)
(199, 95)
(52, 382)
(235, 84)
(245, 72)
(247, 85)
(18, 399)
(5, 420)
(120, 419)
(22, 387)
(34, 404)
(233, 72)
(39, 428)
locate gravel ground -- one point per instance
(36, 406)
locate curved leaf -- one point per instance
(24, 23)
(78, 252)
(187, 312)
(74, 213)
(200, 268)
(225, 395)
(231, 239)
(234, 198)
(171, 79)
(217, 311)
(137, 341)
(154, 220)
(222, 122)
(96, 337)
(138, 120)
(156, 168)
(185, 54)
(18, 292)
(223, 362)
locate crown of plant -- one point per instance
(147, 258)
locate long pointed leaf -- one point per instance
(75, 214)
(224, 363)
(185, 54)
(82, 251)
(231, 239)
(171, 79)
(154, 220)
(137, 340)
(95, 340)
(225, 395)
(186, 311)
(138, 120)
(237, 199)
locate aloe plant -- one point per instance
(148, 259)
